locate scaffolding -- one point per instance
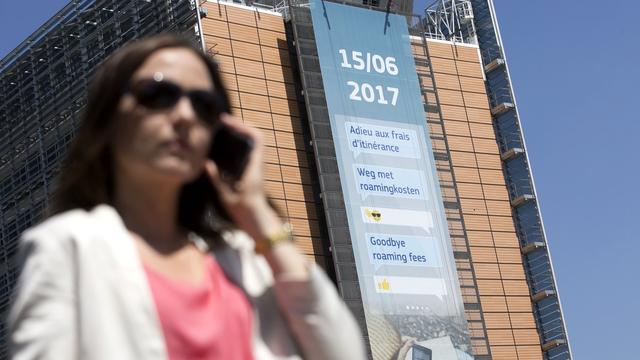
(450, 20)
(43, 84)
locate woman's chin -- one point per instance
(178, 172)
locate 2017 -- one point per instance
(369, 93)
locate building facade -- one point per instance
(270, 64)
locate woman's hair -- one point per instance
(87, 178)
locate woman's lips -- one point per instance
(178, 145)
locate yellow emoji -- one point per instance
(374, 215)
(384, 285)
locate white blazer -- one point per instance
(83, 294)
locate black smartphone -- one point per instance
(230, 151)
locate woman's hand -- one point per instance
(246, 203)
(244, 198)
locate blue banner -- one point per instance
(397, 223)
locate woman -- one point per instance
(138, 261)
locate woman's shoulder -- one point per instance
(63, 225)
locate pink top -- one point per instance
(206, 321)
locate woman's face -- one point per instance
(167, 142)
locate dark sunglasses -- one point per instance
(162, 94)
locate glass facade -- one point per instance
(43, 84)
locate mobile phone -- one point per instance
(230, 151)
(420, 352)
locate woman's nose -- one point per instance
(183, 112)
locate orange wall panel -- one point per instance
(531, 352)
(241, 16)
(440, 50)
(274, 189)
(450, 97)
(253, 85)
(464, 174)
(470, 190)
(526, 336)
(497, 320)
(504, 353)
(457, 113)
(257, 118)
(500, 337)
(218, 45)
(457, 143)
(479, 116)
(473, 206)
(445, 81)
(490, 176)
(272, 172)
(276, 56)
(480, 238)
(248, 67)
(281, 90)
(279, 73)
(512, 271)
(522, 320)
(471, 84)
(254, 101)
(490, 287)
(482, 130)
(459, 128)
(297, 175)
(487, 271)
(483, 254)
(495, 207)
(502, 223)
(519, 303)
(268, 137)
(493, 303)
(216, 11)
(273, 39)
(461, 158)
(509, 255)
(293, 157)
(246, 33)
(215, 28)
(273, 23)
(288, 123)
(487, 146)
(515, 287)
(475, 100)
(245, 50)
(489, 161)
(226, 63)
(506, 239)
(290, 140)
(466, 53)
(471, 69)
(444, 66)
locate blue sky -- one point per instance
(574, 66)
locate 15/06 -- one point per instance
(367, 61)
